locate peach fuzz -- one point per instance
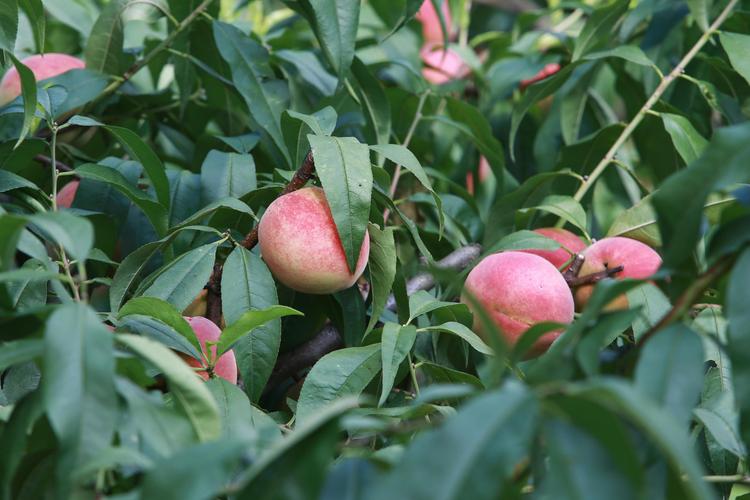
(43, 66)
(518, 290)
(301, 246)
(639, 261)
(442, 65)
(432, 32)
(565, 238)
(67, 194)
(207, 331)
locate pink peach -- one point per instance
(639, 261)
(569, 243)
(301, 245)
(442, 65)
(43, 66)
(67, 194)
(518, 290)
(432, 32)
(207, 331)
(485, 171)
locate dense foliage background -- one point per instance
(189, 119)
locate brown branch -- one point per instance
(213, 295)
(684, 302)
(48, 161)
(592, 278)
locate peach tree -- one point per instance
(344, 249)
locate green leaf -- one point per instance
(254, 79)
(472, 455)
(186, 387)
(214, 206)
(78, 386)
(345, 372)
(14, 438)
(343, 166)
(688, 142)
(463, 332)
(156, 212)
(374, 101)
(725, 432)
(247, 285)
(382, 265)
(296, 127)
(75, 234)
(422, 302)
(699, 10)
(564, 207)
(670, 371)
(396, 343)
(226, 175)
(630, 53)
(19, 351)
(8, 24)
(736, 46)
(10, 181)
(164, 312)
(28, 89)
(180, 282)
(104, 48)
(653, 305)
(335, 24)
(738, 315)
(657, 425)
(400, 155)
(680, 200)
(637, 222)
(599, 27)
(242, 144)
(524, 240)
(34, 10)
(249, 322)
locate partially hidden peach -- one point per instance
(518, 290)
(301, 246)
(485, 171)
(432, 31)
(566, 239)
(639, 261)
(442, 65)
(67, 194)
(207, 331)
(43, 66)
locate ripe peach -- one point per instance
(43, 66)
(432, 32)
(67, 194)
(558, 257)
(301, 245)
(207, 331)
(518, 290)
(442, 65)
(639, 261)
(546, 72)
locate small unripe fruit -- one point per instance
(639, 261)
(518, 290)
(301, 245)
(43, 66)
(207, 331)
(442, 65)
(565, 238)
(431, 29)
(67, 194)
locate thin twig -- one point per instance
(62, 167)
(685, 302)
(407, 140)
(213, 292)
(165, 44)
(592, 278)
(652, 100)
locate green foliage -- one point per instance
(606, 118)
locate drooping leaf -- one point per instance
(396, 343)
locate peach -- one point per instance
(432, 32)
(442, 65)
(301, 245)
(43, 66)
(518, 290)
(546, 72)
(485, 171)
(569, 241)
(207, 331)
(639, 261)
(67, 194)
